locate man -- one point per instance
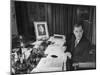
(79, 46)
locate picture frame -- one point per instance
(41, 30)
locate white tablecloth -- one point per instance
(50, 63)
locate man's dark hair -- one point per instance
(78, 25)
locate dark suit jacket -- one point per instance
(80, 53)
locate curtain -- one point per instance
(90, 26)
(61, 18)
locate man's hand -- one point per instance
(68, 54)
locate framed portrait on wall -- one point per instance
(41, 30)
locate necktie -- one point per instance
(76, 42)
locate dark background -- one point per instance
(59, 17)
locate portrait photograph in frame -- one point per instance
(41, 30)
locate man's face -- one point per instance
(78, 32)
